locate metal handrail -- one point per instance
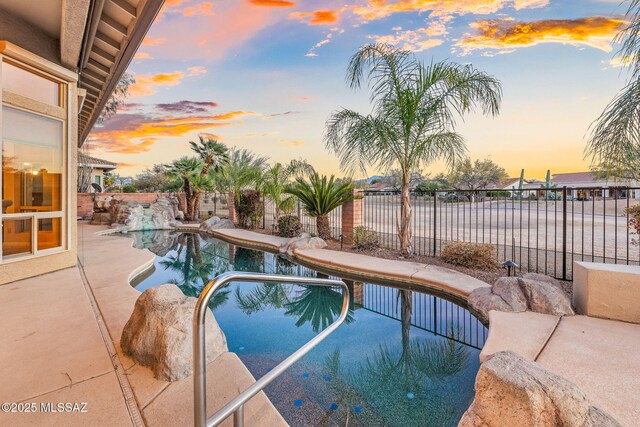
(236, 406)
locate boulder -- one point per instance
(508, 288)
(518, 294)
(159, 333)
(303, 241)
(482, 300)
(132, 216)
(546, 298)
(216, 223)
(513, 391)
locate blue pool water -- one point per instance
(402, 358)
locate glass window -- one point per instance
(31, 162)
(26, 83)
(16, 237)
(98, 179)
(49, 233)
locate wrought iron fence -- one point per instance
(542, 230)
(269, 221)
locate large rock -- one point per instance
(303, 241)
(512, 391)
(482, 301)
(547, 298)
(132, 216)
(517, 294)
(508, 288)
(159, 333)
(215, 223)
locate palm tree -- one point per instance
(213, 155)
(414, 116)
(274, 181)
(320, 196)
(186, 169)
(614, 143)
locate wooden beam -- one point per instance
(91, 83)
(103, 54)
(108, 40)
(98, 66)
(122, 29)
(94, 76)
(122, 4)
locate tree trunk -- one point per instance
(405, 321)
(405, 217)
(322, 224)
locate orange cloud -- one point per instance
(292, 142)
(253, 135)
(378, 9)
(318, 17)
(142, 55)
(148, 84)
(204, 8)
(506, 34)
(273, 3)
(136, 133)
(416, 40)
(125, 165)
(153, 41)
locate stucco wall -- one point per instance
(21, 33)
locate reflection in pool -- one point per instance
(402, 358)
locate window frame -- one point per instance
(66, 81)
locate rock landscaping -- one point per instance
(513, 391)
(531, 292)
(158, 334)
(304, 241)
(215, 223)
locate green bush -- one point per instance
(364, 238)
(289, 226)
(472, 255)
(250, 209)
(128, 188)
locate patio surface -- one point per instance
(57, 352)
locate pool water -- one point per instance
(402, 357)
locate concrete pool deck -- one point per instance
(57, 352)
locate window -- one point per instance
(34, 170)
(98, 179)
(26, 83)
(31, 162)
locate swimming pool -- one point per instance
(402, 357)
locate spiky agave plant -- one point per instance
(319, 196)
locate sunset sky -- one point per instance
(266, 74)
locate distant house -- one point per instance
(96, 168)
(586, 185)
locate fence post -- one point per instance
(351, 215)
(435, 221)
(564, 233)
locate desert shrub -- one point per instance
(128, 188)
(472, 255)
(249, 208)
(289, 226)
(364, 238)
(634, 220)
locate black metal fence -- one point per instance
(308, 223)
(542, 230)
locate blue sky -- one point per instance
(266, 74)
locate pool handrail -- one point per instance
(236, 405)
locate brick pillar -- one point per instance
(231, 201)
(352, 215)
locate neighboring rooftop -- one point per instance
(94, 162)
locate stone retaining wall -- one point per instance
(85, 200)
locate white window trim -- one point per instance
(69, 79)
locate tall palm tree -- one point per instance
(214, 157)
(274, 181)
(614, 143)
(186, 169)
(319, 196)
(412, 124)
